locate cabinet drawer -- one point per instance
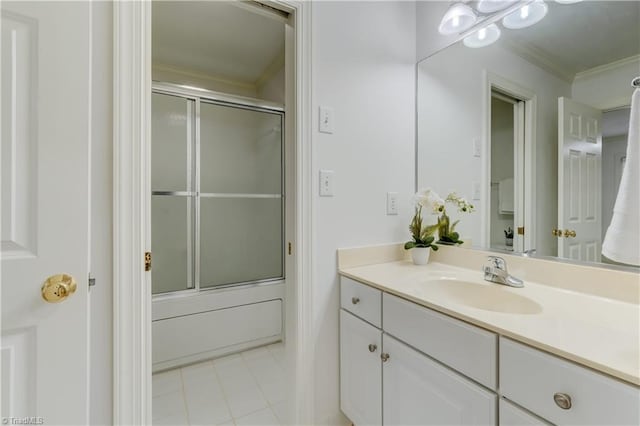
(461, 346)
(531, 378)
(361, 300)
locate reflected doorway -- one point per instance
(507, 141)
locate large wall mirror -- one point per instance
(533, 128)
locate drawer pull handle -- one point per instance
(372, 348)
(562, 400)
(384, 357)
(355, 300)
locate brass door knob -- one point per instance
(384, 357)
(355, 300)
(372, 347)
(568, 233)
(556, 232)
(58, 287)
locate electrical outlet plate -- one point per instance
(392, 203)
(477, 147)
(325, 120)
(326, 183)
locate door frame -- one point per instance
(526, 157)
(131, 197)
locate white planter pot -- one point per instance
(420, 255)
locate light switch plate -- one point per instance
(325, 120)
(326, 183)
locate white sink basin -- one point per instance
(488, 297)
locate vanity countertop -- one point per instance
(598, 332)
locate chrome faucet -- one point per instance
(496, 271)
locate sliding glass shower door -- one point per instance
(217, 193)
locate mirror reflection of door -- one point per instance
(579, 229)
(507, 183)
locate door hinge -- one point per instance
(92, 281)
(520, 230)
(147, 261)
(289, 250)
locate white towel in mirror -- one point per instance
(505, 196)
(621, 240)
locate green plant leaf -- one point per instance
(409, 245)
(434, 247)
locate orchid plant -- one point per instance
(430, 200)
(421, 236)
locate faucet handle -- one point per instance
(498, 262)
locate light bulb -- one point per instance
(458, 18)
(491, 6)
(483, 37)
(526, 16)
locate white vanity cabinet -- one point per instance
(360, 349)
(562, 392)
(404, 364)
(360, 370)
(385, 381)
(419, 391)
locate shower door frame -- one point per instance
(131, 210)
(211, 97)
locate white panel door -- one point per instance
(45, 209)
(420, 391)
(579, 181)
(360, 370)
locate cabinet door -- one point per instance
(419, 391)
(360, 370)
(510, 415)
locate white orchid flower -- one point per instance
(429, 200)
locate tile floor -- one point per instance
(241, 389)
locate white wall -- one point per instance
(272, 88)
(100, 296)
(607, 86)
(362, 67)
(450, 105)
(169, 74)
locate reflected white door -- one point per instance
(45, 209)
(579, 181)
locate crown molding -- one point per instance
(600, 69)
(538, 57)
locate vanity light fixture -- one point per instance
(490, 6)
(458, 19)
(568, 1)
(526, 16)
(483, 37)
